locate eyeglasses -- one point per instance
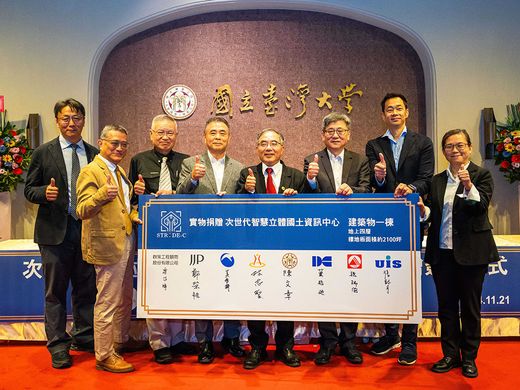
(398, 109)
(75, 118)
(339, 131)
(116, 144)
(459, 146)
(265, 144)
(162, 133)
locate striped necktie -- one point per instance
(73, 179)
(165, 182)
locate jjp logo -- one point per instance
(227, 260)
(325, 261)
(196, 259)
(354, 261)
(171, 221)
(388, 263)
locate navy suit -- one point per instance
(459, 273)
(59, 237)
(415, 167)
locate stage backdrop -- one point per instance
(292, 56)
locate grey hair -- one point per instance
(162, 117)
(282, 139)
(334, 117)
(109, 128)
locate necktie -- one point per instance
(165, 182)
(270, 182)
(73, 179)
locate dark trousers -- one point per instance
(329, 334)
(204, 329)
(459, 290)
(408, 335)
(284, 336)
(62, 264)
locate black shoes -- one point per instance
(183, 348)
(206, 354)
(233, 347)
(446, 364)
(61, 359)
(352, 354)
(385, 345)
(85, 347)
(288, 357)
(408, 355)
(163, 356)
(323, 356)
(255, 358)
(469, 369)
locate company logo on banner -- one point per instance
(388, 263)
(289, 260)
(171, 221)
(257, 262)
(325, 261)
(196, 258)
(227, 260)
(355, 261)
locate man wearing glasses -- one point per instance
(271, 176)
(156, 171)
(338, 171)
(104, 194)
(401, 162)
(51, 183)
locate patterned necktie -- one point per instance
(165, 182)
(270, 182)
(73, 179)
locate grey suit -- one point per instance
(208, 185)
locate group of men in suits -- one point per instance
(400, 161)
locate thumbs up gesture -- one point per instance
(51, 192)
(139, 186)
(199, 169)
(464, 178)
(250, 181)
(380, 168)
(111, 188)
(313, 169)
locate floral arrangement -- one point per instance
(15, 155)
(507, 144)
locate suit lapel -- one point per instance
(228, 168)
(347, 164)
(57, 154)
(443, 181)
(285, 180)
(384, 142)
(210, 175)
(407, 146)
(327, 167)
(260, 180)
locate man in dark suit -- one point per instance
(156, 171)
(271, 176)
(402, 162)
(338, 171)
(51, 183)
(214, 172)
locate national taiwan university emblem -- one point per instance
(179, 101)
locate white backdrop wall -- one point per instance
(52, 49)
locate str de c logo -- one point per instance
(171, 225)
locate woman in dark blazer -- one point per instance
(459, 248)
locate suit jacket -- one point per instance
(48, 162)
(148, 164)
(208, 185)
(416, 162)
(291, 178)
(105, 223)
(356, 172)
(473, 241)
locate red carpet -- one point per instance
(27, 366)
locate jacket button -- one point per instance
(123, 228)
(123, 211)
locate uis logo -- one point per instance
(388, 263)
(319, 261)
(354, 261)
(227, 260)
(171, 221)
(257, 262)
(289, 260)
(196, 258)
